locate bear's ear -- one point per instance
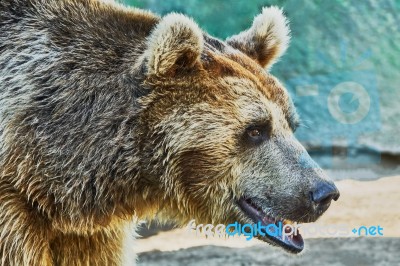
(266, 40)
(174, 45)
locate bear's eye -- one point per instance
(254, 133)
(257, 134)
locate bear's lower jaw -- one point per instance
(269, 232)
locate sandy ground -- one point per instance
(362, 203)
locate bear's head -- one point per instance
(217, 130)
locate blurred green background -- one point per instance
(333, 43)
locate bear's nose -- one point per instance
(323, 193)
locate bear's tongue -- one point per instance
(292, 243)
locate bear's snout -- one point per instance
(322, 193)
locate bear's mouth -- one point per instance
(293, 243)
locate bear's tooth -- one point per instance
(286, 221)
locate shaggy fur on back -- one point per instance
(68, 129)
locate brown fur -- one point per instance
(112, 115)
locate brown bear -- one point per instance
(110, 115)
